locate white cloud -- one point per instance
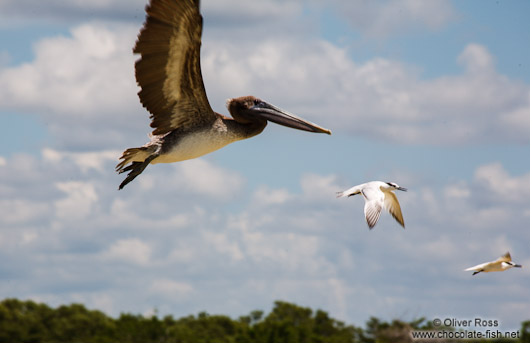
(85, 83)
(376, 19)
(457, 191)
(84, 160)
(237, 13)
(265, 196)
(489, 204)
(319, 81)
(171, 288)
(22, 210)
(14, 12)
(197, 176)
(241, 245)
(182, 254)
(80, 199)
(221, 244)
(203, 177)
(131, 250)
(319, 187)
(222, 12)
(276, 244)
(517, 120)
(79, 85)
(78, 76)
(383, 19)
(476, 59)
(495, 180)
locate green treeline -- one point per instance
(27, 321)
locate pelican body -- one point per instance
(499, 265)
(172, 90)
(377, 195)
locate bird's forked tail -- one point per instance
(348, 193)
(341, 194)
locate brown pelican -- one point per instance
(172, 90)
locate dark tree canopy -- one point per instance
(28, 321)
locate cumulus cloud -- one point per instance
(457, 191)
(171, 288)
(317, 186)
(491, 205)
(84, 160)
(80, 197)
(280, 244)
(196, 176)
(237, 13)
(222, 12)
(68, 11)
(209, 179)
(517, 120)
(265, 196)
(382, 19)
(228, 245)
(378, 19)
(476, 59)
(84, 83)
(75, 76)
(502, 187)
(131, 250)
(77, 84)
(22, 211)
(319, 80)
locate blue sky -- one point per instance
(432, 95)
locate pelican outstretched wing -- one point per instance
(169, 70)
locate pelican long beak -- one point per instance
(402, 189)
(518, 266)
(279, 116)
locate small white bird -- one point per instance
(501, 264)
(377, 195)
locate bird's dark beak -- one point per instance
(402, 189)
(518, 265)
(279, 116)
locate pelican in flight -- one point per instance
(377, 195)
(499, 265)
(172, 90)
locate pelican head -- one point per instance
(249, 109)
(394, 185)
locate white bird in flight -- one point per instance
(501, 264)
(377, 195)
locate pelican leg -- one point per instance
(478, 272)
(136, 169)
